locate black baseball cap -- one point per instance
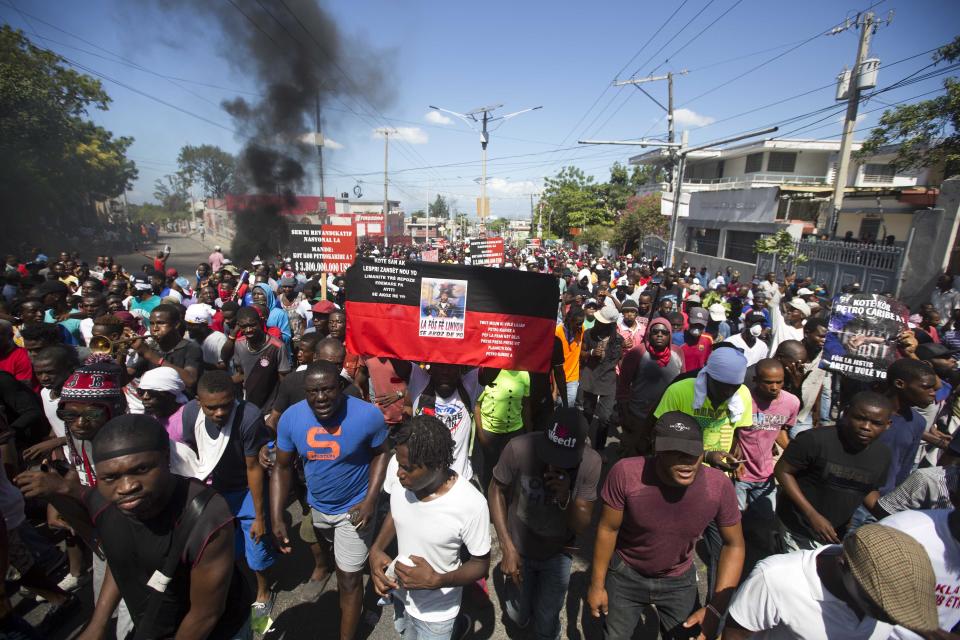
(629, 303)
(931, 350)
(562, 444)
(677, 431)
(755, 316)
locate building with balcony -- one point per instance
(733, 196)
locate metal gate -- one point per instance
(837, 264)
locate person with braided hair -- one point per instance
(433, 513)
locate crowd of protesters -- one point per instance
(157, 427)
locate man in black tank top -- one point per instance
(169, 541)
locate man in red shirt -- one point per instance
(697, 345)
(13, 359)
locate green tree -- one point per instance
(783, 247)
(54, 162)
(151, 212)
(440, 208)
(497, 226)
(641, 218)
(171, 191)
(926, 132)
(594, 236)
(575, 201)
(209, 166)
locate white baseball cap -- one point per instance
(199, 314)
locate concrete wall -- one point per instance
(716, 264)
(935, 232)
(897, 224)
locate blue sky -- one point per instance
(561, 55)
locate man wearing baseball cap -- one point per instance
(321, 317)
(654, 510)
(748, 340)
(197, 319)
(697, 345)
(879, 579)
(541, 498)
(631, 326)
(787, 320)
(601, 353)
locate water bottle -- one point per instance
(272, 451)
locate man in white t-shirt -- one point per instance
(448, 392)
(938, 531)
(748, 340)
(52, 366)
(877, 585)
(434, 512)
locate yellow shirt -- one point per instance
(714, 422)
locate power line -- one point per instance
(702, 31)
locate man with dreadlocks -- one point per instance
(433, 513)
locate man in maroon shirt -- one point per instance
(654, 511)
(697, 345)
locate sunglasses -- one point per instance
(91, 415)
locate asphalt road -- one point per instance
(305, 611)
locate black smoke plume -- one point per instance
(294, 50)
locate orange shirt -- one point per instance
(571, 353)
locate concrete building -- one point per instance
(733, 196)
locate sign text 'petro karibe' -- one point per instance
(486, 252)
(326, 248)
(430, 312)
(862, 335)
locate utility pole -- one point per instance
(681, 152)
(319, 142)
(386, 199)
(482, 117)
(671, 127)
(867, 24)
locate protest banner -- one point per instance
(430, 255)
(862, 335)
(456, 314)
(486, 252)
(325, 248)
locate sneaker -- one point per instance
(260, 620)
(70, 582)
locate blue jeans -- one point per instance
(826, 398)
(803, 424)
(411, 628)
(572, 388)
(541, 596)
(758, 499)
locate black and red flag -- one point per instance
(456, 314)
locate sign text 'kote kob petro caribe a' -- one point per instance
(431, 312)
(326, 248)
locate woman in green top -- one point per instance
(503, 411)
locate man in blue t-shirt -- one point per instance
(342, 441)
(911, 385)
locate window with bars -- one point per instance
(879, 173)
(703, 241)
(754, 163)
(740, 246)
(782, 162)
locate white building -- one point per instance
(733, 196)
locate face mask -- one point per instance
(756, 330)
(695, 333)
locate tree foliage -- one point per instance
(497, 226)
(209, 166)
(641, 218)
(151, 212)
(783, 247)
(171, 191)
(53, 160)
(927, 132)
(594, 236)
(440, 208)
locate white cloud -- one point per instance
(413, 135)
(688, 117)
(435, 117)
(503, 187)
(312, 137)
